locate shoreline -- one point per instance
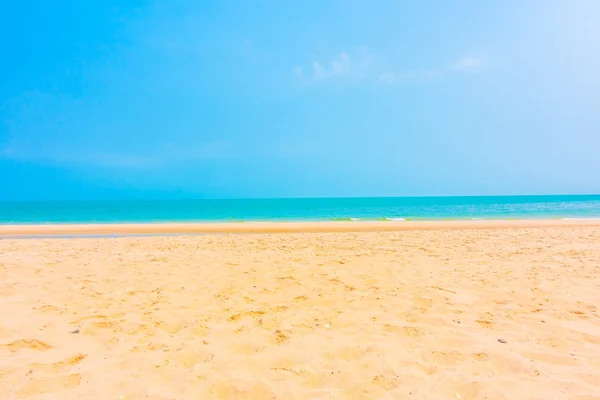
(283, 227)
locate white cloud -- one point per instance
(464, 64)
(338, 67)
(469, 63)
(363, 66)
(318, 70)
(341, 64)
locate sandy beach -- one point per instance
(375, 311)
(285, 227)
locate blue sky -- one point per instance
(188, 99)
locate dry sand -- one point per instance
(444, 314)
(285, 227)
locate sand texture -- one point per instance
(428, 314)
(285, 227)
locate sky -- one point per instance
(140, 99)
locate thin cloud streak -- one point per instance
(344, 66)
(470, 63)
(464, 64)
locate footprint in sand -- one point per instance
(403, 330)
(33, 344)
(387, 382)
(68, 363)
(282, 336)
(484, 323)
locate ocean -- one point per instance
(303, 209)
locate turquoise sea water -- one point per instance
(319, 209)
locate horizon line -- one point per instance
(295, 198)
